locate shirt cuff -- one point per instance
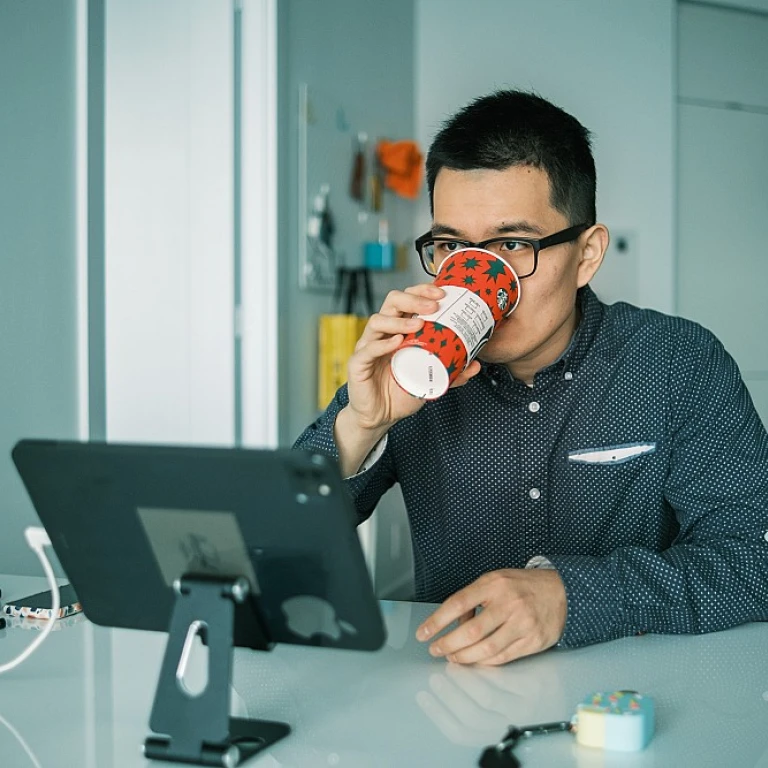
(595, 600)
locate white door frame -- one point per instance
(257, 316)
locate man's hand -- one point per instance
(376, 401)
(522, 612)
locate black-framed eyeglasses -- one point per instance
(522, 253)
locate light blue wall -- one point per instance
(357, 58)
(38, 271)
(612, 65)
(411, 65)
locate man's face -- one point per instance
(481, 204)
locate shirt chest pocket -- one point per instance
(611, 454)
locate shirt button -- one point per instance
(534, 493)
(568, 375)
(533, 407)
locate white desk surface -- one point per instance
(83, 699)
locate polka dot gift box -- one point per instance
(481, 290)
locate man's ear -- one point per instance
(594, 243)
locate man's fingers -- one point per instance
(469, 372)
(500, 646)
(460, 603)
(517, 649)
(495, 645)
(367, 353)
(380, 326)
(418, 300)
(430, 290)
(468, 634)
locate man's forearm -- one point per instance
(689, 588)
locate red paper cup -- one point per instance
(481, 290)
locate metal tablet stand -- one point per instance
(197, 728)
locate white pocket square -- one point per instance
(612, 454)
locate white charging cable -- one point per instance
(38, 539)
(21, 741)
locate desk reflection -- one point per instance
(711, 694)
(85, 697)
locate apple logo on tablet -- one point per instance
(308, 616)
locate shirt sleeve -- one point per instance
(376, 474)
(715, 574)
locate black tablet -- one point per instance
(127, 521)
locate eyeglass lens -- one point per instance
(518, 254)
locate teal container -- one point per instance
(379, 256)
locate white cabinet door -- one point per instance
(169, 266)
(723, 190)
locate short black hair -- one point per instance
(511, 127)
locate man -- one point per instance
(601, 470)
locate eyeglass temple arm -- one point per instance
(563, 237)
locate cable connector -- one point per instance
(37, 537)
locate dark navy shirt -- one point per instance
(636, 465)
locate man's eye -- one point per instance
(446, 246)
(512, 245)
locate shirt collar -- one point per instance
(591, 311)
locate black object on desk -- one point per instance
(500, 755)
(238, 547)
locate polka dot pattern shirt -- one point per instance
(636, 466)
